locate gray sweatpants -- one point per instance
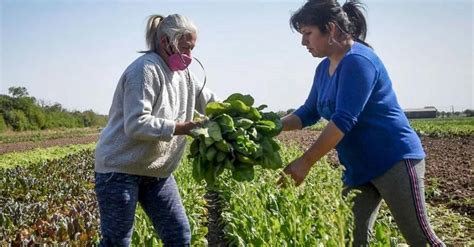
(402, 188)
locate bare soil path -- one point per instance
(29, 145)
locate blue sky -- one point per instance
(74, 52)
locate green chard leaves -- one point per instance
(237, 137)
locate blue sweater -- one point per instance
(360, 100)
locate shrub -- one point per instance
(3, 125)
(17, 120)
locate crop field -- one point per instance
(47, 196)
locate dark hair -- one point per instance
(349, 18)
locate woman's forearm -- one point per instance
(291, 122)
(327, 140)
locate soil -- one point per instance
(215, 235)
(30, 145)
(449, 167)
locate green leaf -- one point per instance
(243, 123)
(223, 146)
(194, 147)
(214, 131)
(246, 99)
(226, 123)
(211, 153)
(220, 157)
(244, 159)
(217, 108)
(243, 172)
(239, 106)
(254, 114)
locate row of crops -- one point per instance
(314, 214)
(53, 201)
(42, 135)
(435, 127)
(46, 201)
(444, 127)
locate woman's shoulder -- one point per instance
(323, 64)
(360, 51)
(147, 61)
(149, 58)
(363, 55)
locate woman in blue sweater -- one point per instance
(382, 155)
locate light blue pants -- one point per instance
(118, 194)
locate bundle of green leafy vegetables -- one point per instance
(237, 137)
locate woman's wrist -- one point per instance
(308, 160)
(184, 128)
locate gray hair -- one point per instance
(173, 26)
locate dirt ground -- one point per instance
(25, 146)
(449, 167)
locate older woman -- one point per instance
(144, 140)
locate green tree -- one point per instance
(18, 92)
(469, 113)
(21, 112)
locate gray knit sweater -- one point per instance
(148, 101)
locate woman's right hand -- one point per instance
(185, 128)
(298, 169)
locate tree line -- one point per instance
(20, 112)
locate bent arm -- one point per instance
(291, 122)
(139, 123)
(327, 140)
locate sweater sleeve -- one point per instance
(139, 95)
(356, 83)
(308, 112)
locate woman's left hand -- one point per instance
(298, 170)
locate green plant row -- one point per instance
(53, 201)
(42, 135)
(437, 127)
(444, 126)
(49, 202)
(48, 197)
(41, 155)
(258, 213)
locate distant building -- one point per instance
(426, 112)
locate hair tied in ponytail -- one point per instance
(157, 20)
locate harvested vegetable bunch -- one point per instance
(237, 137)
